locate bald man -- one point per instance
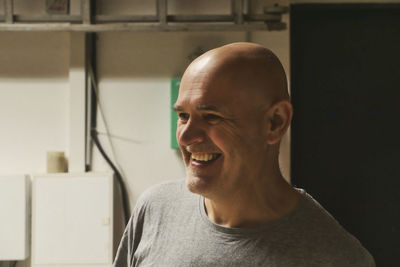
(234, 208)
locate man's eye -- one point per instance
(212, 117)
(183, 116)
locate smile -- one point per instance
(204, 157)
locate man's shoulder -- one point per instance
(328, 236)
(160, 204)
(163, 191)
(170, 196)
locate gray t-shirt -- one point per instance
(169, 227)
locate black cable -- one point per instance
(124, 195)
(92, 49)
(14, 263)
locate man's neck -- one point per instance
(253, 205)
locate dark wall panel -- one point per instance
(345, 62)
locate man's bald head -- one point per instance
(246, 66)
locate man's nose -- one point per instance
(190, 133)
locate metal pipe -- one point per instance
(144, 19)
(86, 11)
(237, 11)
(47, 18)
(162, 11)
(125, 19)
(8, 11)
(133, 27)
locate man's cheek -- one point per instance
(226, 134)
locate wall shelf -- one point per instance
(240, 19)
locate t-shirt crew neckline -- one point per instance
(246, 231)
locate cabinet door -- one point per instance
(14, 223)
(72, 220)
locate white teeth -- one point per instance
(204, 156)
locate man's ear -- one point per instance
(279, 116)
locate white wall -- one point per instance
(33, 99)
(134, 79)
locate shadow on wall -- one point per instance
(120, 55)
(149, 55)
(34, 55)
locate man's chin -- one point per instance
(198, 185)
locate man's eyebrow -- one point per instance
(199, 107)
(178, 108)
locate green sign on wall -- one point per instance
(175, 82)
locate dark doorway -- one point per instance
(345, 82)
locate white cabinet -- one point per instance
(14, 217)
(72, 220)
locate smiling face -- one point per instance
(222, 125)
